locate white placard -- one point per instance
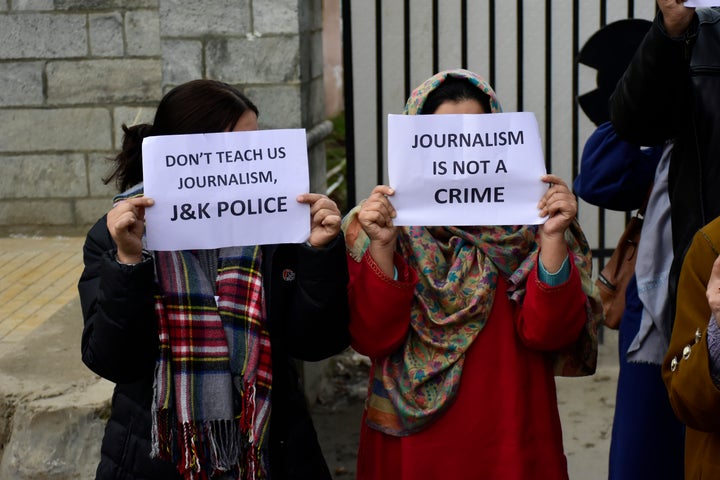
(226, 189)
(466, 169)
(702, 3)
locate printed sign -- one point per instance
(702, 3)
(466, 169)
(226, 189)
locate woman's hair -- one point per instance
(454, 90)
(198, 106)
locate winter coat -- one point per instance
(686, 371)
(671, 91)
(306, 298)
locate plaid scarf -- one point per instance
(211, 399)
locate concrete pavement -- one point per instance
(53, 409)
(38, 276)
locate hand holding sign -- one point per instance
(376, 218)
(126, 224)
(560, 205)
(325, 218)
(676, 16)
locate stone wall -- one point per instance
(73, 71)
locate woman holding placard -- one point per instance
(467, 326)
(202, 344)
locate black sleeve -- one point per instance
(652, 99)
(310, 313)
(119, 340)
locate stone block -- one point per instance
(103, 81)
(182, 61)
(311, 57)
(254, 60)
(21, 84)
(314, 102)
(190, 18)
(311, 15)
(317, 160)
(88, 5)
(42, 176)
(64, 129)
(317, 59)
(99, 167)
(280, 106)
(142, 33)
(53, 441)
(7, 407)
(276, 16)
(130, 116)
(36, 212)
(88, 211)
(133, 4)
(32, 5)
(106, 35)
(43, 35)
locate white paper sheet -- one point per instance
(226, 189)
(702, 3)
(466, 169)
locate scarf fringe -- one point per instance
(161, 435)
(228, 446)
(223, 439)
(224, 450)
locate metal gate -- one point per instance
(526, 49)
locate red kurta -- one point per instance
(504, 423)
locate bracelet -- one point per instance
(126, 264)
(145, 255)
(308, 244)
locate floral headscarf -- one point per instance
(419, 95)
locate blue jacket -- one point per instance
(615, 174)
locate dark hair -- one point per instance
(198, 106)
(455, 90)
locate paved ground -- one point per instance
(38, 276)
(40, 328)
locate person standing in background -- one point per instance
(692, 366)
(671, 91)
(647, 439)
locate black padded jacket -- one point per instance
(308, 317)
